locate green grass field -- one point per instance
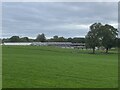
(0, 67)
(51, 67)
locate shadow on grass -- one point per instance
(98, 52)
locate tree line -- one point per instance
(99, 35)
(42, 38)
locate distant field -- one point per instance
(50, 67)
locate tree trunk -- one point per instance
(106, 50)
(93, 50)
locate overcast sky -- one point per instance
(68, 19)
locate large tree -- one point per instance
(92, 37)
(101, 35)
(108, 35)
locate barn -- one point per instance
(57, 44)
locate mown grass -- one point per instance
(51, 67)
(0, 67)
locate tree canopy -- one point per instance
(101, 35)
(108, 34)
(14, 39)
(92, 39)
(41, 38)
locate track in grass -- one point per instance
(51, 67)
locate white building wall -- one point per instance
(17, 43)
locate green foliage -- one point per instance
(78, 40)
(63, 39)
(69, 39)
(118, 42)
(107, 35)
(50, 67)
(41, 38)
(92, 39)
(24, 39)
(101, 35)
(14, 39)
(57, 39)
(0, 41)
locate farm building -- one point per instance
(17, 43)
(58, 44)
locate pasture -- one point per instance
(52, 67)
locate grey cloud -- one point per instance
(55, 17)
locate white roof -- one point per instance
(19, 43)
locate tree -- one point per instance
(69, 39)
(0, 41)
(61, 39)
(108, 34)
(101, 35)
(41, 38)
(117, 42)
(14, 39)
(92, 39)
(78, 40)
(24, 39)
(55, 38)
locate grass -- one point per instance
(0, 67)
(51, 67)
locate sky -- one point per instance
(67, 19)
